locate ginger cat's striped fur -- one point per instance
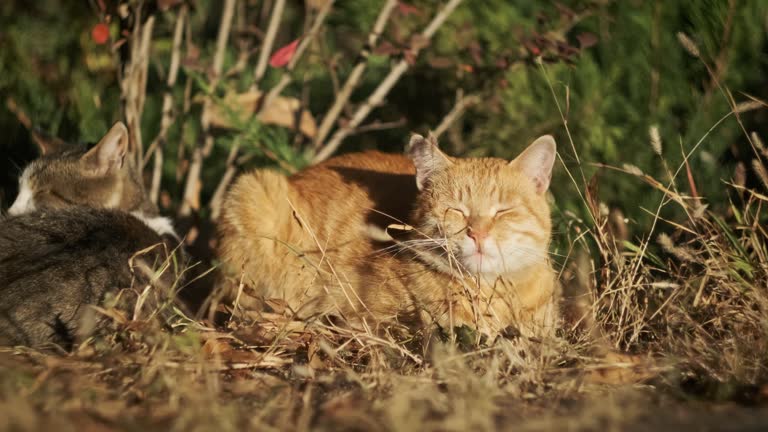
(476, 253)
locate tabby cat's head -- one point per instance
(489, 216)
(104, 176)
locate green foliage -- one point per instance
(637, 75)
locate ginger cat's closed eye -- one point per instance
(476, 253)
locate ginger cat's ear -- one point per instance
(109, 153)
(427, 158)
(537, 161)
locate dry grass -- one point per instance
(690, 301)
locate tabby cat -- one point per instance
(422, 239)
(81, 228)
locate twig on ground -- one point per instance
(384, 87)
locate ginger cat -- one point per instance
(472, 249)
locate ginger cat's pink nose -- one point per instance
(478, 236)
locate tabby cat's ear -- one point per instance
(537, 161)
(427, 158)
(47, 144)
(109, 153)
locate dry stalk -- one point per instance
(232, 164)
(286, 78)
(261, 68)
(456, 112)
(383, 89)
(226, 179)
(133, 85)
(157, 145)
(269, 41)
(378, 125)
(191, 199)
(356, 75)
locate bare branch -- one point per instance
(286, 78)
(168, 116)
(191, 199)
(232, 163)
(269, 41)
(229, 174)
(377, 125)
(133, 86)
(383, 89)
(461, 105)
(357, 73)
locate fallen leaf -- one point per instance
(279, 306)
(314, 360)
(216, 346)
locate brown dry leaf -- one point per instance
(282, 112)
(116, 315)
(246, 357)
(279, 306)
(253, 383)
(386, 49)
(255, 335)
(216, 346)
(314, 360)
(110, 409)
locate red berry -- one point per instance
(100, 33)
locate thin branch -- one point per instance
(168, 115)
(286, 78)
(461, 105)
(356, 75)
(221, 188)
(223, 37)
(244, 36)
(269, 41)
(191, 199)
(261, 69)
(232, 164)
(182, 163)
(383, 89)
(377, 125)
(134, 83)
